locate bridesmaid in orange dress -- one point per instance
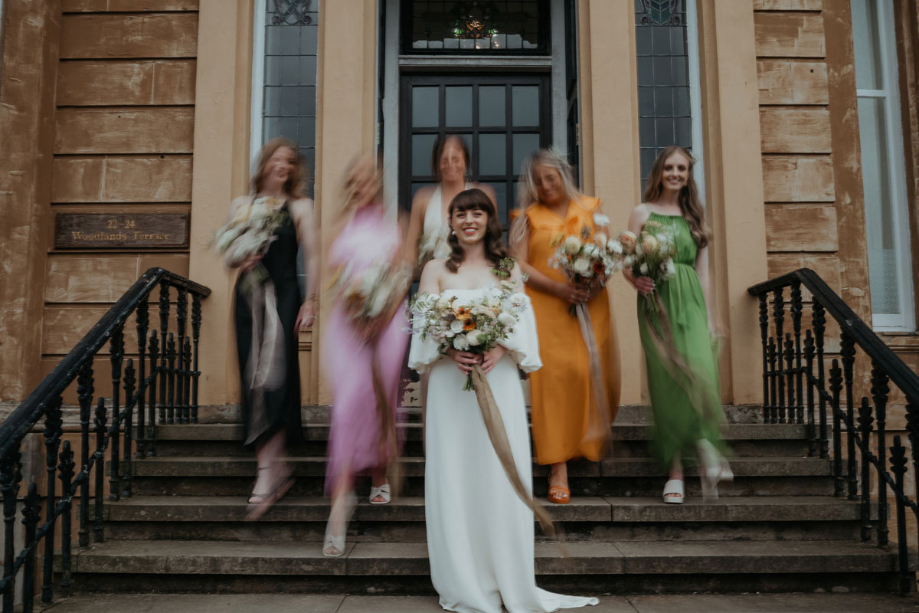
(561, 392)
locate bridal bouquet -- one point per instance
(250, 233)
(476, 326)
(371, 293)
(588, 259)
(650, 254)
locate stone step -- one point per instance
(584, 519)
(201, 566)
(629, 440)
(232, 476)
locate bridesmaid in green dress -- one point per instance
(684, 386)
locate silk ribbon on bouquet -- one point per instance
(497, 434)
(598, 426)
(389, 443)
(265, 368)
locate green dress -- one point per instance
(685, 393)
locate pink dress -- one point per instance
(355, 429)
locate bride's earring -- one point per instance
(453, 232)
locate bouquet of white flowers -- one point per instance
(476, 326)
(650, 254)
(373, 292)
(589, 259)
(250, 233)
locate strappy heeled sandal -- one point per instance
(714, 470)
(559, 494)
(384, 492)
(259, 504)
(334, 546)
(673, 491)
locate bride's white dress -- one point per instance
(480, 534)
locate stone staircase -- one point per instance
(778, 528)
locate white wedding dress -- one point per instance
(480, 534)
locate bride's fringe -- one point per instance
(497, 434)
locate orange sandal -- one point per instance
(559, 495)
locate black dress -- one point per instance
(282, 405)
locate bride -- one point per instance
(480, 534)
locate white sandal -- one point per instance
(383, 492)
(714, 470)
(334, 546)
(673, 491)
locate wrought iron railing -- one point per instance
(796, 389)
(163, 381)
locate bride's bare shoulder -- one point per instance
(431, 276)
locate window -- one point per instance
(886, 212)
(669, 109)
(479, 27)
(284, 75)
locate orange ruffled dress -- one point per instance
(560, 392)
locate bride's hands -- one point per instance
(492, 357)
(464, 360)
(644, 285)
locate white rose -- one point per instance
(456, 326)
(671, 268)
(643, 269)
(582, 266)
(506, 319)
(572, 245)
(473, 337)
(460, 343)
(601, 220)
(591, 250)
(614, 246)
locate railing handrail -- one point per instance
(30, 410)
(850, 323)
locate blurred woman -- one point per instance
(267, 333)
(367, 237)
(682, 370)
(480, 533)
(560, 393)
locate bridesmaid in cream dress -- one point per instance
(480, 534)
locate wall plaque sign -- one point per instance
(121, 231)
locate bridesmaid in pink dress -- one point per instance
(368, 236)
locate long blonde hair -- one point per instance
(348, 190)
(690, 202)
(526, 190)
(296, 180)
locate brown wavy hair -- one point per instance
(439, 145)
(475, 200)
(295, 185)
(690, 202)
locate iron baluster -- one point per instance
(819, 323)
(790, 373)
(164, 328)
(10, 476)
(186, 389)
(848, 362)
(811, 428)
(196, 333)
(778, 313)
(898, 468)
(865, 421)
(143, 323)
(85, 392)
(879, 391)
(181, 314)
(100, 422)
(66, 471)
(170, 379)
(912, 429)
(117, 358)
(53, 431)
(796, 312)
(763, 334)
(130, 401)
(772, 354)
(154, 375)
(31, 511)
(835, 390)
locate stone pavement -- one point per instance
(279, 603)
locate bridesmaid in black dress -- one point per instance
(272, 411)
